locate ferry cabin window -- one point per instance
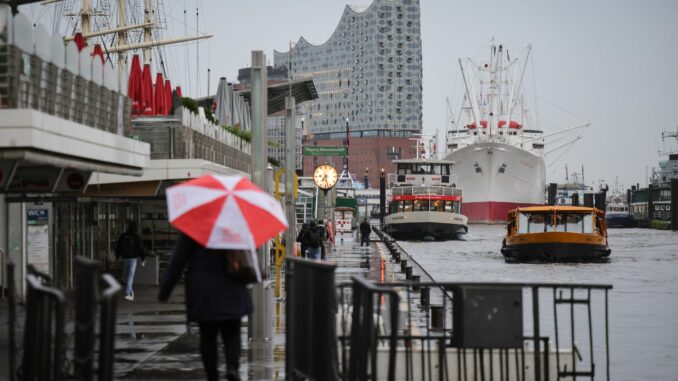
(422, 169)
(457, 207)
(588, 223)
(438, 206)
(421, 205)
(404, 169)
(535, 223)
(407, 206)
(395, 205)
(522, 223)
(574, 223)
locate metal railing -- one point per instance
(475, 331)
(311, 337)
(46, 354)
(186, 136)
(44, 331)
(425, 190)
(107, 327)
(63, 84)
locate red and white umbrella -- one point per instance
(225, 212)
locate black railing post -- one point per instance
(86, 286)
(674, 204)
(311, 338)
(44, 331)
(535, 323)
(12, 320)
(107, 328)
(382, 198)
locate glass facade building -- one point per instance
(368, 72)
(276, 133)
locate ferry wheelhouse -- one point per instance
(555, 233)
(425, 202)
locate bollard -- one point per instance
(397, 257)
(408, 272)
(403, 264)
(437, 318)
(425, 296)
(415, 282)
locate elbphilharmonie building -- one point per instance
(369, 71)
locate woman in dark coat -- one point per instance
(214, 300)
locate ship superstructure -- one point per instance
(498, 155)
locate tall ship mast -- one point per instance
(498, 156)
(114, 28)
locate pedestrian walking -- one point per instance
(217, 249)
(322, 230)
(128, 247)
(314, 242)
(365, 230)
(302, 238)
(214, 300)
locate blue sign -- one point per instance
(37, 216)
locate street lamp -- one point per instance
(347, 143)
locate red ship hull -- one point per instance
(489, 212)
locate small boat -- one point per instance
(555, 233)
(425, 202)
(617, 214)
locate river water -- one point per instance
(643, 304)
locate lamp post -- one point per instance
(347, 143)
(366, 184)
(382, 197)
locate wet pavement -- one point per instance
(154, 341)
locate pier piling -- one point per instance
(425, 296)
(415, 282)
(403, 265)
(674, 205)
(437, 318)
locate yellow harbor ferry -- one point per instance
(555, 233)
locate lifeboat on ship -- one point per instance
(555, 233)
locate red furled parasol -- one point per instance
(159, 95)
(134, 85)
(147, 105)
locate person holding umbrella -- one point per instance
(217, 215)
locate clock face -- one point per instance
(325, 176)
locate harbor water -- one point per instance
(643, 303)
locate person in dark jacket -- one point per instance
(214, 300)
(314, 241)
(128, 246)
(302, 238)
(365, 230)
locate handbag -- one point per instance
(243, 266)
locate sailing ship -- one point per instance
(498, 154)
(112, 29)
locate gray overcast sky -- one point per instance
(612, 62)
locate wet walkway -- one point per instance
(153, 340)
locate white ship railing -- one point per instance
(39, 72)
(425, 190)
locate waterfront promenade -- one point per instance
(154, 342)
